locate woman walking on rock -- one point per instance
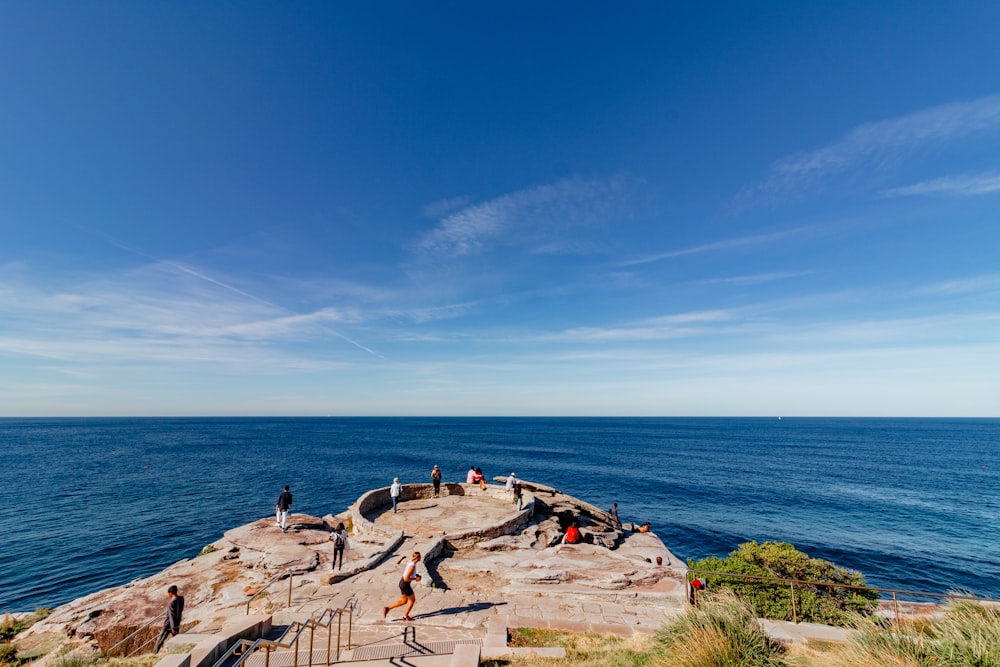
(406, 589)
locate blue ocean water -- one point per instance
(911, 503)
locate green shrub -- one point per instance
(818, 604)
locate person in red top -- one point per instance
(572, 535)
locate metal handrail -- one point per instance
(277, 577)
(791, 582)
(141, 628)
(325, 620)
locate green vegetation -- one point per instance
(831, 605)
(722, 632)
(966, 635)
(10, 628)
(209, 548)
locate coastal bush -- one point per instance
(721, 632)
(831, 605)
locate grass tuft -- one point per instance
(721, 632)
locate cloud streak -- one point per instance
(966, 185)
(520, 217)
(882, 142)
(725, 244)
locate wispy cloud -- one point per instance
(679, 325)
(985, 283)
(443, 207)
(966, 185)
(159, 312)
(725, 244)
(749, 280)
(882, 142)
(525, 217)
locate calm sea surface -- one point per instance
(911, 503)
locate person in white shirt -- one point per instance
(406, 589)
(394, 491)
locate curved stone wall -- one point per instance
(378, 499)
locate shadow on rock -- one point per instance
(474, 607)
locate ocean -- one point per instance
(911, 503)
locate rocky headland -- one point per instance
(486, 562)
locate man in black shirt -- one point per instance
(281, 509)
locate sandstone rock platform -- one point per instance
(486, 563)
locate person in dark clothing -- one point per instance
(614, 516)
(172, 623)
(436, 480)
(281, 509)
(339, 539)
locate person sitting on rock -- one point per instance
(572, 535)
(644, 528)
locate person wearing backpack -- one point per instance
(339, 539)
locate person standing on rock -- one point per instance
(172, 623)
(518, 495)
(339, 539)
(281, 509)
(614, 516)
(406, 588)
(436, 481)
(394, 492)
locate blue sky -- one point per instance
(499, 209)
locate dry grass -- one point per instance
(721, 632)
(582, 649)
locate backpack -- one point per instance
(338, 541)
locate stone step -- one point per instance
(367, 653)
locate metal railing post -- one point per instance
(311, 632)
(267, 658)
(350, 625)
(340, 617)
(329, 634)
(289, 590)
(295, 655)
(795, 616)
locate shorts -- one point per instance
(405, 588)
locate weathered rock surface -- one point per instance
(483, 555)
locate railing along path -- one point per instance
(895, 592)
(246, 648)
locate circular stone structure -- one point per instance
(462, 515)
